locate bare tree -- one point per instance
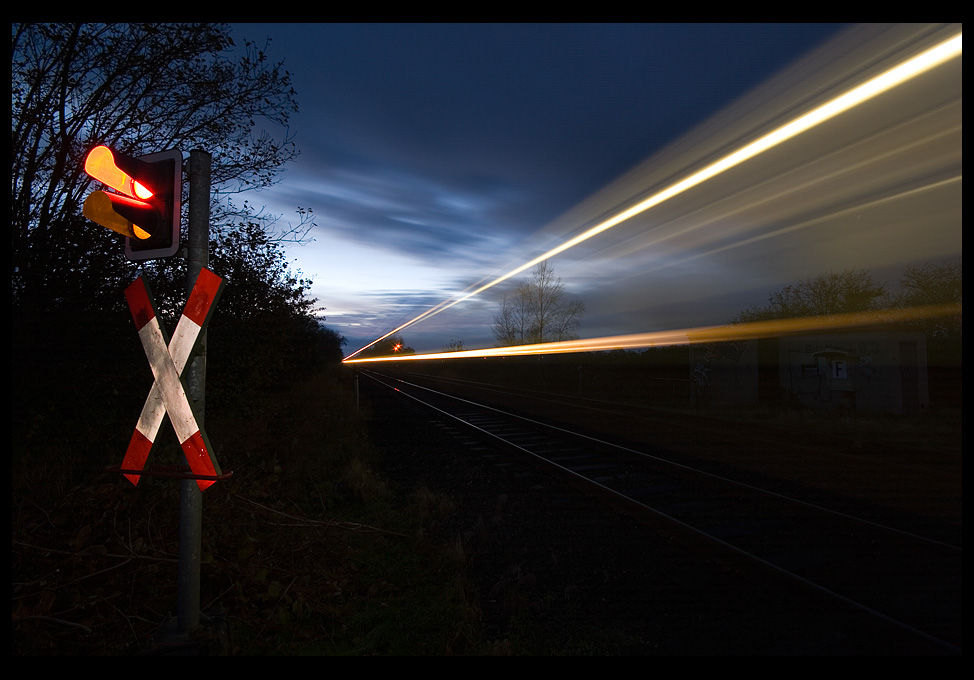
(140, 88)
(538, 311)
(512, 324)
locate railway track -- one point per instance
(841, 555)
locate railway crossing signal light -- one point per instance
(146, 208)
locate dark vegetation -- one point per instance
(92, 556)
(305, 548)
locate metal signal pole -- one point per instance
(190, 496)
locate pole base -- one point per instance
(211, 638)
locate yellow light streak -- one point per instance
(690, 336)
(887, 80)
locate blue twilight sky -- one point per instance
(437, 155)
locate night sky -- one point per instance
(437, 156)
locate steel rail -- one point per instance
(706, 544)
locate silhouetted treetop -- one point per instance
(140, 88)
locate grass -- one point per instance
(305, 548)
(937, 430)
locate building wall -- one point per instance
(866, 371)
(874, 371)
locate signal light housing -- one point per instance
(147, 209)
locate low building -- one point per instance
(878, 371)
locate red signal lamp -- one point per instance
(100, 164)
(146, 209)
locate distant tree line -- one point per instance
(857, 290)
(537, 310)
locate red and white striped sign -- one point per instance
(167, 360)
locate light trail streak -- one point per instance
(872, 88)
(701, 220)
(816, 220)
(689, 336)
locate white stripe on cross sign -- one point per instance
(167, 360)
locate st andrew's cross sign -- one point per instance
(168, 395)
